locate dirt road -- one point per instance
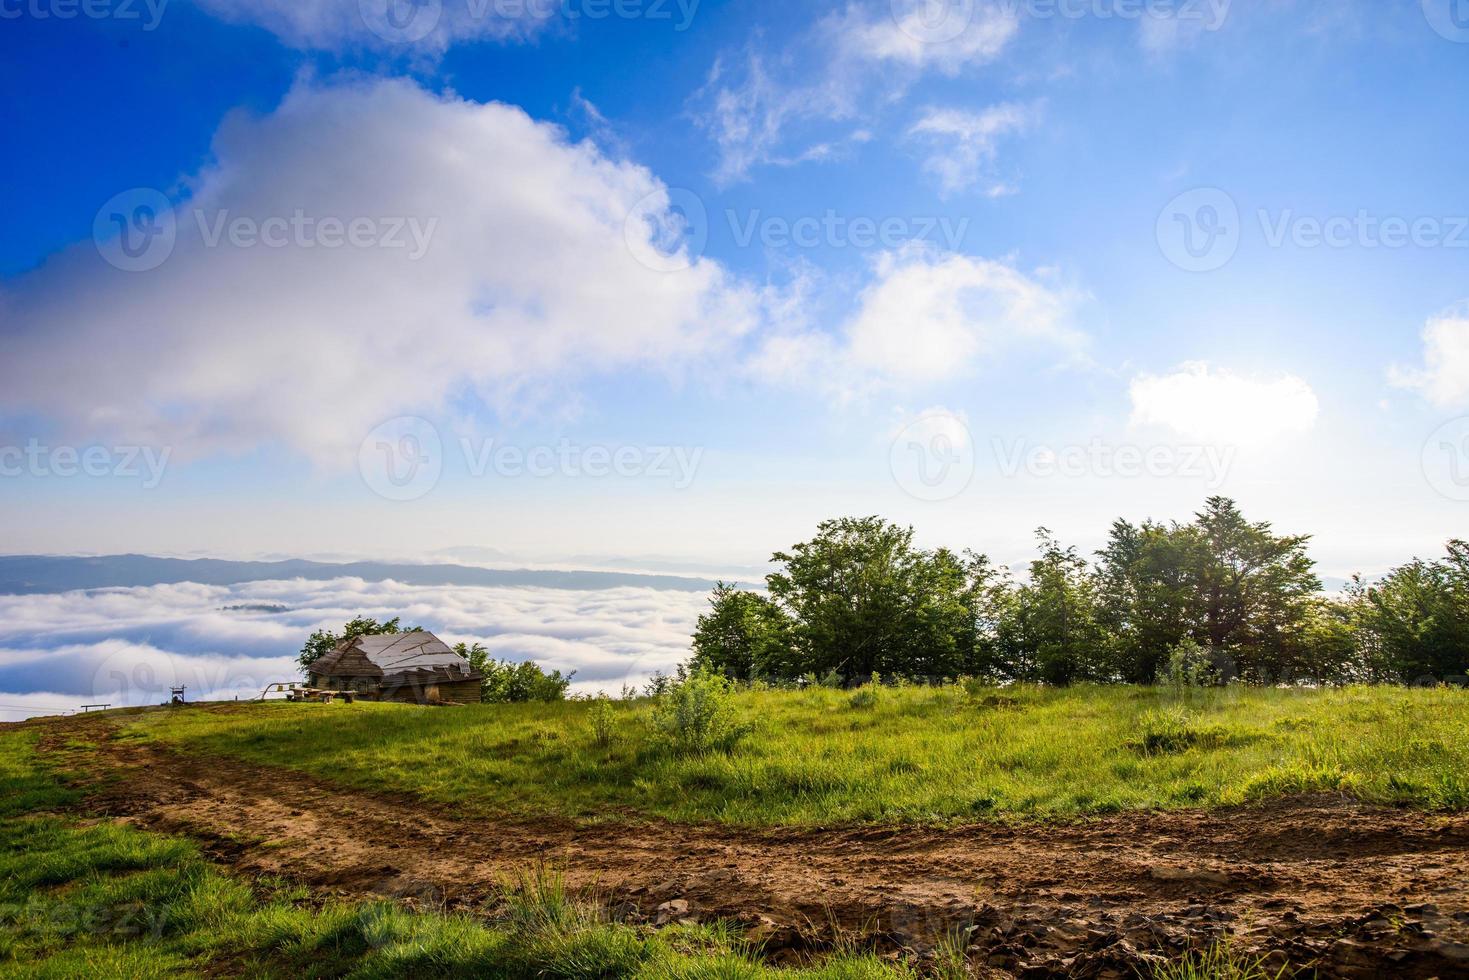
(1353, 890)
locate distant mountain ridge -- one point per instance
(42, 574)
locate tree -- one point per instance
(864, 600)
(1414, 624)
(1144, 596)
(743, 636)
(989, 599)
(323, 641)
(1235, 587)
(1055, 629)
(1252, 591)
(503, 682)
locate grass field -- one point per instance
(90, 900)
(890, 754)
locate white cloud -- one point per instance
(531, 272)
(428, 27)
(129, 645)
(962, 144)
(1167, 30)
(1444, 377)
(927, 316)
(747, 113)
(1215, 405)
(906, 32)
(864, 56)
(931, 315)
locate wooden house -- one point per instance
(416, 668)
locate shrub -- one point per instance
(870, 695)
(504, 682)
(657, 685)
(604, 717)
(696, 714)
(514, 683)
(1190, 664)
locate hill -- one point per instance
(1023, 831)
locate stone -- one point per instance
(671, 911)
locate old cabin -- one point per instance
(417, 668)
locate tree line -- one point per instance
(1215, 599)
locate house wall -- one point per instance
(463, 692)
(367, 686)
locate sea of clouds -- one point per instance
(128, 646)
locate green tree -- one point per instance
(503, 682)
(323, 642)
(1253, 592)
(863, 599)
(989, 600)
(1055, 630)
(1413, 625)
(743, 636)
(1144, 593)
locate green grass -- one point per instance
(1220, 962)
(910, 754)
(90, 900)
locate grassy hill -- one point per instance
(821, 756)
(83, 894)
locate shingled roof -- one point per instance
(397, 658)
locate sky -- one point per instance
(664, 283)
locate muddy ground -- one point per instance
(1322, 883)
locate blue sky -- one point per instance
(792, 260)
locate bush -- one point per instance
(1190, 664)
(505, 682)
(513, 683)
(696, 714)
(870, 695)
(603, 720)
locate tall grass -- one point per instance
(912, 754)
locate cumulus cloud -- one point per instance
(129, 645)
(930, 315)
(861, 56)
(494, 254)
(1215, 405)
(962, 145)
(927, 315)
(1444, 377)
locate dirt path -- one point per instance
(1355, 890)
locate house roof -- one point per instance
(397, 658)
